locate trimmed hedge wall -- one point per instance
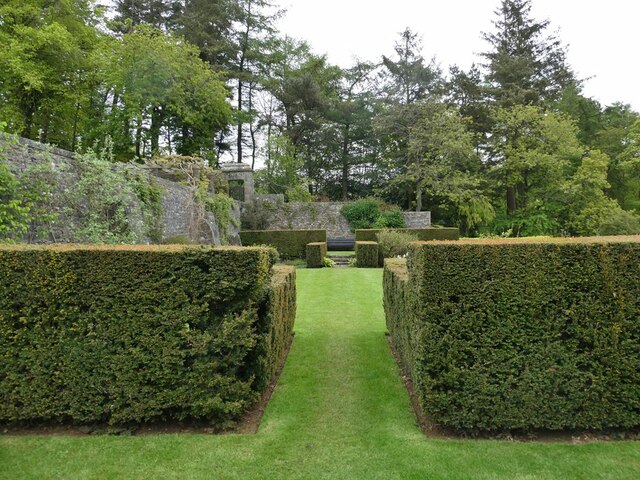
(289, 243)
(367, 254)
(275, 327)
(423, 234)
(508, 335)
(127, 335)
(396, 306)
(315, 254)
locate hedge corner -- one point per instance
(367, 254)
(316, 251)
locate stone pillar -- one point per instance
(240, 178)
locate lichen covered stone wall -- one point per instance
(177, 204)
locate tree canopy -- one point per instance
(511, 146)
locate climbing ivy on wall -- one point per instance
(208, 194)
(13, 214)
(88, 200)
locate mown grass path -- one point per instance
(339, 411)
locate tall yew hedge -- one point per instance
(127, 335)
(508, 335)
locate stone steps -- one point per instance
(341, 261)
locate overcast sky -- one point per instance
(602, 36)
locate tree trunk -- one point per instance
(154, 130)
(185, 148)
(252, 130)
(418, 195)
(243, 57)
(511, 200)
(345, 164)
(139, 139)
(239, 139)
(75, 127)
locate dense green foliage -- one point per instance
(508, 335)
(134, 335)
(340, 410)
(372, 213)
(367, 255)
(510, 147)
(14, 213)
(316, 253)
(423, 234)
(275, 329)
(289, 243)
(256, 215)
(395, 243)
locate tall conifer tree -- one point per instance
(525, 66)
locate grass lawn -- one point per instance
(341, 253)
(339, 411)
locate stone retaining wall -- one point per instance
(324, 216)
(417, 219)
(311, 216)
(178, 208)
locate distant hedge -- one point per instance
(367, 254)
(424, 234)
(140, 334)
(289, 243)
(509, 335)
(315, 254)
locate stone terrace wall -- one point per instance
(417, 219)
(176, 200)
(327, 216)
(311, 216)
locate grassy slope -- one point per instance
(340, 411)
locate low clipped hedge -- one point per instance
(367, 254)
(289, 243)
(129, 335)
(315, 254)
(423, 234)
(509, 335)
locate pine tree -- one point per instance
(525, 66)
(409, 78)
(254, 22)
(207, 24)
(130, 13)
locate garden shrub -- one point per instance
(372, 212)
(521, 335)
(394, 243)
(127, 335)
(423, 234)
(390, 219)
(256, 215)
(222, 207)
(289, 243)
(316, 252)
(327, 262)
(367, 254)
(621, 222)
(298, 193)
